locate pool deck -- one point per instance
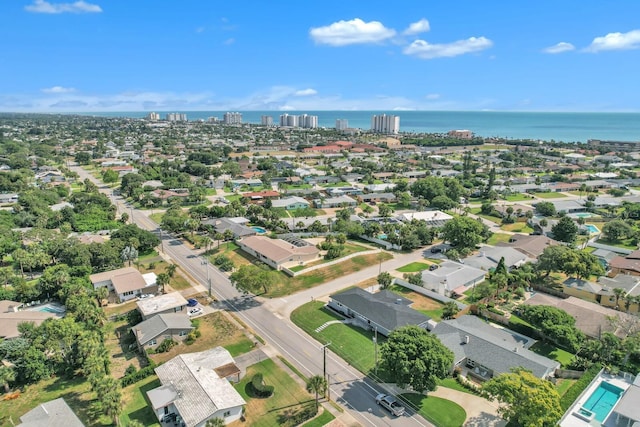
(570, 420)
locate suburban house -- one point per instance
(592, 319)
(196, 388)
(383, 311)
(54, 413)
(452, 278)
(488, 258)
(172, 302)
(291, 203)
(378, 197)
(530, 245)
(127, 283)
(335, 202)
(487, 351)
(151, 332)
(432, 218)
(239, 230)
(628, 264)
(11, 316)
(279, 253)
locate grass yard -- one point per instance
(288, 395)
(550, 195)
(76, 392)
(349, 249)
(117, 341)
(496, 219)
(157, 217)
(353, 344)
(320, 421)
(517, 227)
(518, 197)
(453, 384)
(562, 385)
(626, 244)
(413, 267)
(288, 285)
(216, 329)
(178, 282)
(498, 238)
(552, 352)
(441, 412)
(423, 304)
(135, 405)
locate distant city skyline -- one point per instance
(105, 55)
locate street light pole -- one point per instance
(375, 350)
(324, 368)
(205, 262)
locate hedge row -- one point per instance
(578, 387)
(259, 386)
(139, 375)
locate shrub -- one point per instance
(495, 311)
(191, 338)
(152, 266)
(259, 387)
(166, 345)
(130, 370)
(134, 317)
(138, 376)
(578, 387)
(292, 417)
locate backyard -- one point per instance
(135, 404)
(439, 411)
(421, 303)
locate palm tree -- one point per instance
(318, 385)
(101, 293)
(171, 270)
(162, 280)
(619, 293)
(7, 375)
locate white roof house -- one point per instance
(193, 390)
(432, 218)
(452, 277)
(172, 302)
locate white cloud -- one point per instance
(58, 89)
(422, 26)
(559, 48)
(425, 50)
(42, 6)
(229, 41)
(616, 41)
(356, 31)
(306, 92)
(433, 96)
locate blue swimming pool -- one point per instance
(592, 228)
(602, 400)
(259, 230)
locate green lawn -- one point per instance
(620, 244)
(441, 412)
(453, 384)
(353, 344)
(496, 219)
(517, 227)
(562, 385)
(552, 352)
(136, 405)
(157, 217)
(498, 238)
(518, 197)
(288, 395)
(325, 418)
(413, 267)
(550, 195)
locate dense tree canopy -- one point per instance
(414, 357)
(566, 230)
(465, 232)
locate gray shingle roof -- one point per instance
(157, 325)
(491, 347)
(54, 413)
(384, 308)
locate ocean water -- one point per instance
(566, 127)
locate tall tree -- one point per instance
(162, 280)
(317, 385)
(525, 399)
(385, 279)
(416, 358)
(566, 230)
(464, 232)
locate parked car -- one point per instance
(192, 302)
(433, 267)
(436, 250)
(390, 403)
(144, 296)
(195, 311)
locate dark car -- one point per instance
(433, 267)
(192, 302)
(436, 250)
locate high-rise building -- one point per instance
(307, 121)
(232, 118)
(176, 117)
(385, 124)
(266, 120)
(342, 124)
(153, 116)
(288, 120)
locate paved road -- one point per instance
(347, 385)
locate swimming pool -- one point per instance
(592, 228)
(602, 400)
(259, 230)
(49, 308)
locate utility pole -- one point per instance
(324, 368)
(205, 262)
(375, 351)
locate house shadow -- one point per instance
(485, 420)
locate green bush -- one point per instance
(138, 376)
(578, 387)
(191, 338)
(495, 311)
(259, 387)
(166, 345)
(130, 370)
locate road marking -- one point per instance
(283, 300)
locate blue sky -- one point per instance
(117, 55)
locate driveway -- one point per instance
(480, 412)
